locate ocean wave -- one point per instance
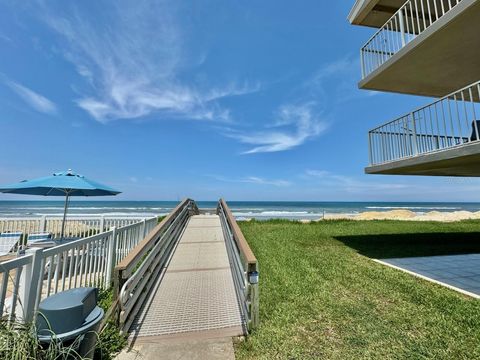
(247, 209)
(414, 207)
(276, 213)
(119, 214)
(33, 208)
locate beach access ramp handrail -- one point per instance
(144, 268)
(140, 269)
(244, 266)
(90, 261)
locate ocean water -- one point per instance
(241, 209)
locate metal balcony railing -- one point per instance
(451, 121)
(412, 19)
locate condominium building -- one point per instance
(428, 48)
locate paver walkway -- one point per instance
(199, 349)
(196, 297)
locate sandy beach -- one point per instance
(407, 215)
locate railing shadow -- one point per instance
(385, 246)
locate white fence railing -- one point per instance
(90, 261)
(412, 19)
(79, 227)
(446, 123)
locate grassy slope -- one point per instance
(320, 298)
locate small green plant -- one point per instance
(18, 341)
(110, 341)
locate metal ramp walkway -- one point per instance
(193, 276)
(196, 292)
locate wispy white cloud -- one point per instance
(253, 180)
(5, 38)
(133, 61)
(346, 64)
(336, 81)
(32, 98)
(350, 184)
(294, 125)
(304, 118)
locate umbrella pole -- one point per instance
(64, 215)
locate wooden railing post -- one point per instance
(118, 282)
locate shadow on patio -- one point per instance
(384, 246)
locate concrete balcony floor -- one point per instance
(445, 57)
(462, 160)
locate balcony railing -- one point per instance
(451, 121)
(412, 19)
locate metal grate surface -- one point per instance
(198, 256)
(197, 291)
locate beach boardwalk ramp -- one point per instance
(196, 292)
(201, 289)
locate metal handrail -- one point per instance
(443, 124)
(132, 259)
(137, 274)
(412, 19)
(240, 276)
(244, 266)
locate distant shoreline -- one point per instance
(244, 210)
(395, 214)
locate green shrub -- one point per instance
(110, 341)
(19, 342)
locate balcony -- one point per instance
(373, 13)
(441, 138)
(428, 47)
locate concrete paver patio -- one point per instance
(461, 272)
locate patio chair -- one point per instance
(474, 132)
(42, 239)
(8, 241)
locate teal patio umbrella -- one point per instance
(65, 183)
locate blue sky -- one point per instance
(250, 100)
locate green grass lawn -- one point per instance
(321, 297)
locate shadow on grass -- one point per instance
(387, 246)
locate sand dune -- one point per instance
(408, 215)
